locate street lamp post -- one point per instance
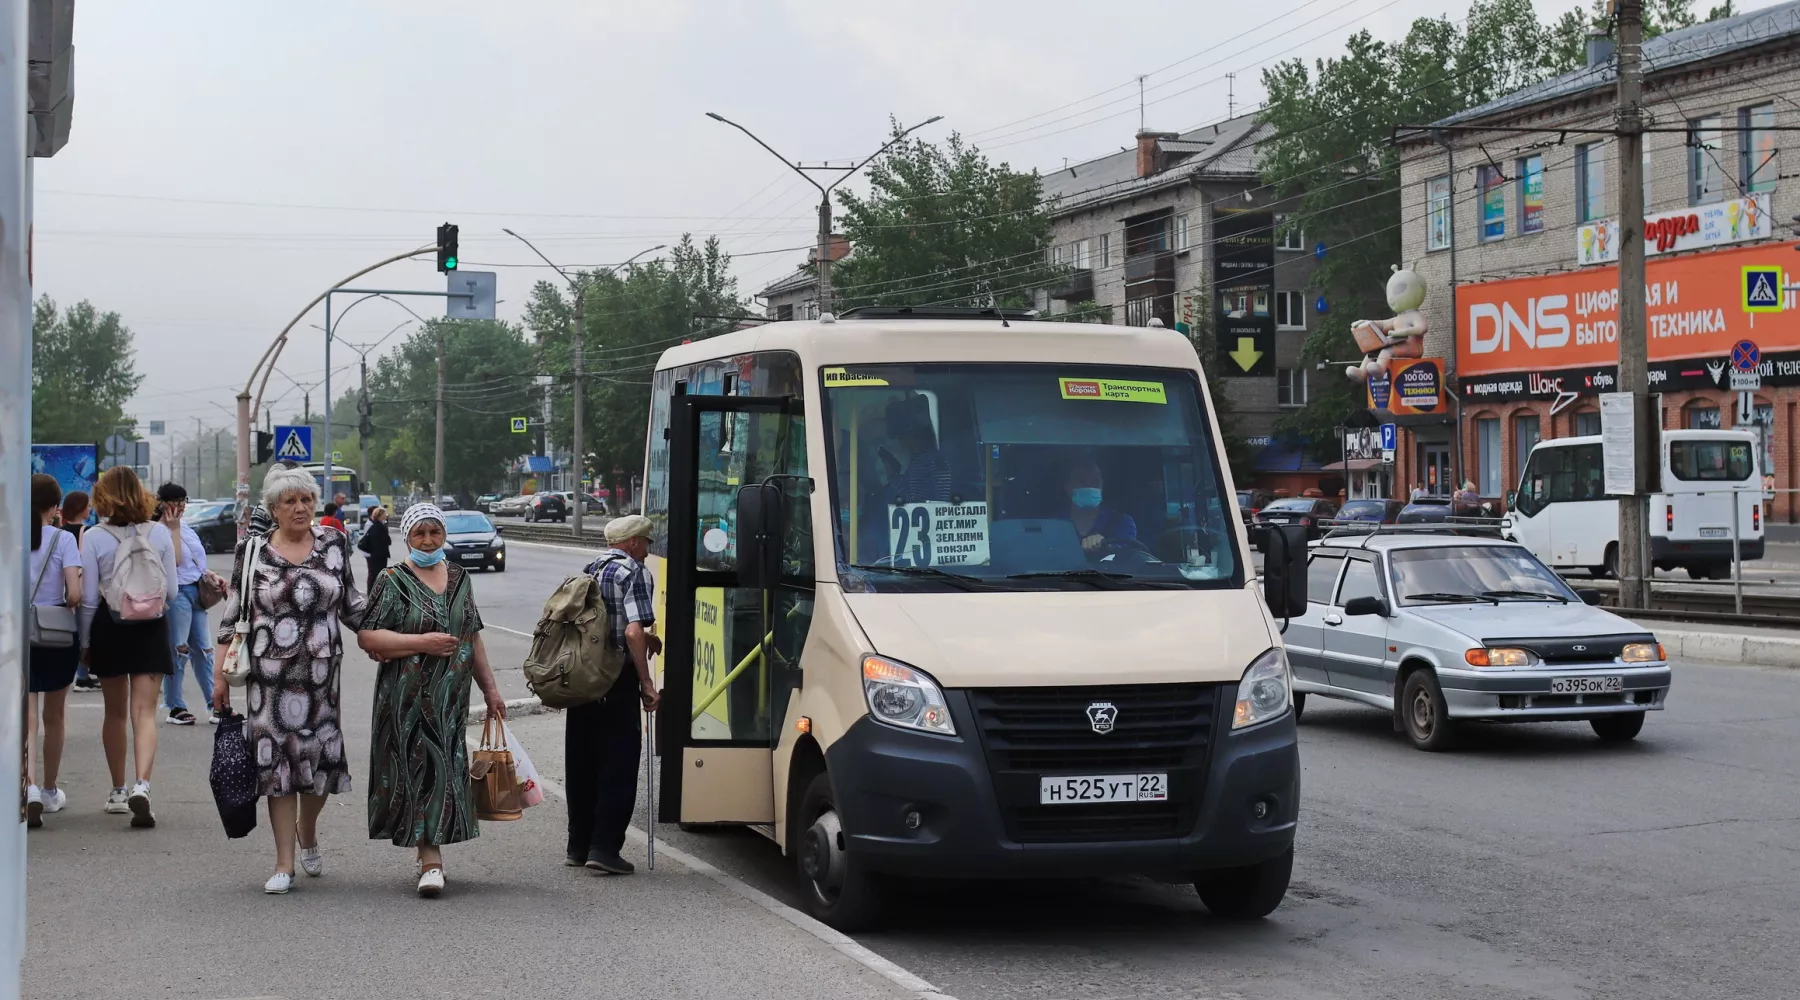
(575, 338)
(824, 251)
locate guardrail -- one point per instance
(562, 534)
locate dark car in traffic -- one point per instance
(1250, 501)
(215, 521)
(1462, 516)
(1371, 511)
(546, 507)
(1312, 513)
(474, 541)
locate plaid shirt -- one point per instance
(627, 589)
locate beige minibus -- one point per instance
(958, 593)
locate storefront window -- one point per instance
(1704, 417)
(1493, 202)
(1587, 423)
(1487, 454)
(1525, 437)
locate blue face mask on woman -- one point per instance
(425, 560)
(1085, 497)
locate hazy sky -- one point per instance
(231, 159)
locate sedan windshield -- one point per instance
(1026, 477)
(1460, 573)
(466, 523)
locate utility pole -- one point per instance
(823, 261)
(1634, 588)
(218, 456)
(437, 474)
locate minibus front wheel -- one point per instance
(838, 890)
(1248, 893)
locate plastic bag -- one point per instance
(530, 792)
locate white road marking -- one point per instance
(586, 550)
(503, 628)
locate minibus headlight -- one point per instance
(1263, 694)
(899, 695)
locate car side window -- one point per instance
(1321, 575)
(1359, 581)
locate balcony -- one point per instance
(1077, 286)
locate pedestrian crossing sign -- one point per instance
(293, 443)
(520, 425)
(1762, 288)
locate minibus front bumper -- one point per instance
(920, 805)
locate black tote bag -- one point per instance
(234, 778)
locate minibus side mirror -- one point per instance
(759, 510)
(1284, 570)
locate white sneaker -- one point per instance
(312, 861)
(139, 804)
(431, 882)
(116, 803)
(55, 800)
(34, 807)
(278, 883)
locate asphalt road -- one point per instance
(1534, 863)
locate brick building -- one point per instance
(1180, 225)
(1516, 235)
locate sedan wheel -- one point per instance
(1423, 714)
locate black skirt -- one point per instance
(53, 667)
(119, 649)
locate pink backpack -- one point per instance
(138, 589)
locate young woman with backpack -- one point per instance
(127, 581)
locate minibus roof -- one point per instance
(875, 341)
(1669, 434)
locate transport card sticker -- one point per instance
(938, 533)
(1113, 389)
(840, 378)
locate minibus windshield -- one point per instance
(950, 477)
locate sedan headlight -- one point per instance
(1500, 656)
(899, 695)
(1264, 692)
(1642, 652)
(497, 543)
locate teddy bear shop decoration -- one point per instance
(1382, 340)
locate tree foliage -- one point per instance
(1330, 153)
(629, 320)
(83, 372)
(943, 225)
(488, 378)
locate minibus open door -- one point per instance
(731, 652)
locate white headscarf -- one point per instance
(419, 512)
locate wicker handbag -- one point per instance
(498, 797)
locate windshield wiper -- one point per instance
(960, 579)
(1101, 579)
(1528, 594)
(1465, 598)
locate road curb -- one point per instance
(1726, 647)
(517, 708)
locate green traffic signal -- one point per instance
(450, 263)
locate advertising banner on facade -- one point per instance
(1719, 224)
(1537, 336)
(1244, 285)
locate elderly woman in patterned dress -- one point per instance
(300, 591)
(423, 625)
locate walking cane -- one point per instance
(650, 786)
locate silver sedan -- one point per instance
(1438, 629)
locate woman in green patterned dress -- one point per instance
(423, 625)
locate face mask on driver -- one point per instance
(1085, 497)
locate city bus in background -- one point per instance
(1562, 513)
(344, 481)
(889, 648)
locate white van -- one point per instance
(1561, 511)
(956, 593)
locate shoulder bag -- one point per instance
(236, 664)
(52, 626)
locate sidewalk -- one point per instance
(179, 911)
(1748, 645)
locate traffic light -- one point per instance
(446, 246)
(365, 410)
(265, 447)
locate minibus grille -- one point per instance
(1028, 733)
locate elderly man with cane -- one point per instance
(602, 738)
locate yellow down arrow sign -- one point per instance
(1246, 354)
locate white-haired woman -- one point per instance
(300, 591)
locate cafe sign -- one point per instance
(1718, 224)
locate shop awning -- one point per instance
(1355, 465)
